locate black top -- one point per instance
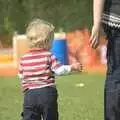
(111, 13)
(112, 6)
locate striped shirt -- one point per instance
(111, 20)
(36, 69)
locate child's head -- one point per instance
(40, 33)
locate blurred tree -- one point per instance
(66, 14)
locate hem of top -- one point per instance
(43, 86)
(111, 24)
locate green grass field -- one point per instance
(75, 103)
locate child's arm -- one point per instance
(65, 69)
(20, 71)
(59, 69)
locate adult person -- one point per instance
(107, 12)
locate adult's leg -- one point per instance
(112, 84)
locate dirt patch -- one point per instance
(8, 71)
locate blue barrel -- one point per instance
(59, 49)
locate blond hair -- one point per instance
(43, 32)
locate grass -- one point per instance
(75, 103)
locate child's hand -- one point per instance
(76, 66)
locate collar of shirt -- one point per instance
(38, 50)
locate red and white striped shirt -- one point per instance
(36, 69)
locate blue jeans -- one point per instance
(112, 83)
(40, 104)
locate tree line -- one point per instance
(66, 14)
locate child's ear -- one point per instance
(51, 36)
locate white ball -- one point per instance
(80, 85)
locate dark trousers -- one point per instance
(40, 104)
(112, 83)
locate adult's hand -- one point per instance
(95, 37)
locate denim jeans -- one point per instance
(40, 104)
(112, 83)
